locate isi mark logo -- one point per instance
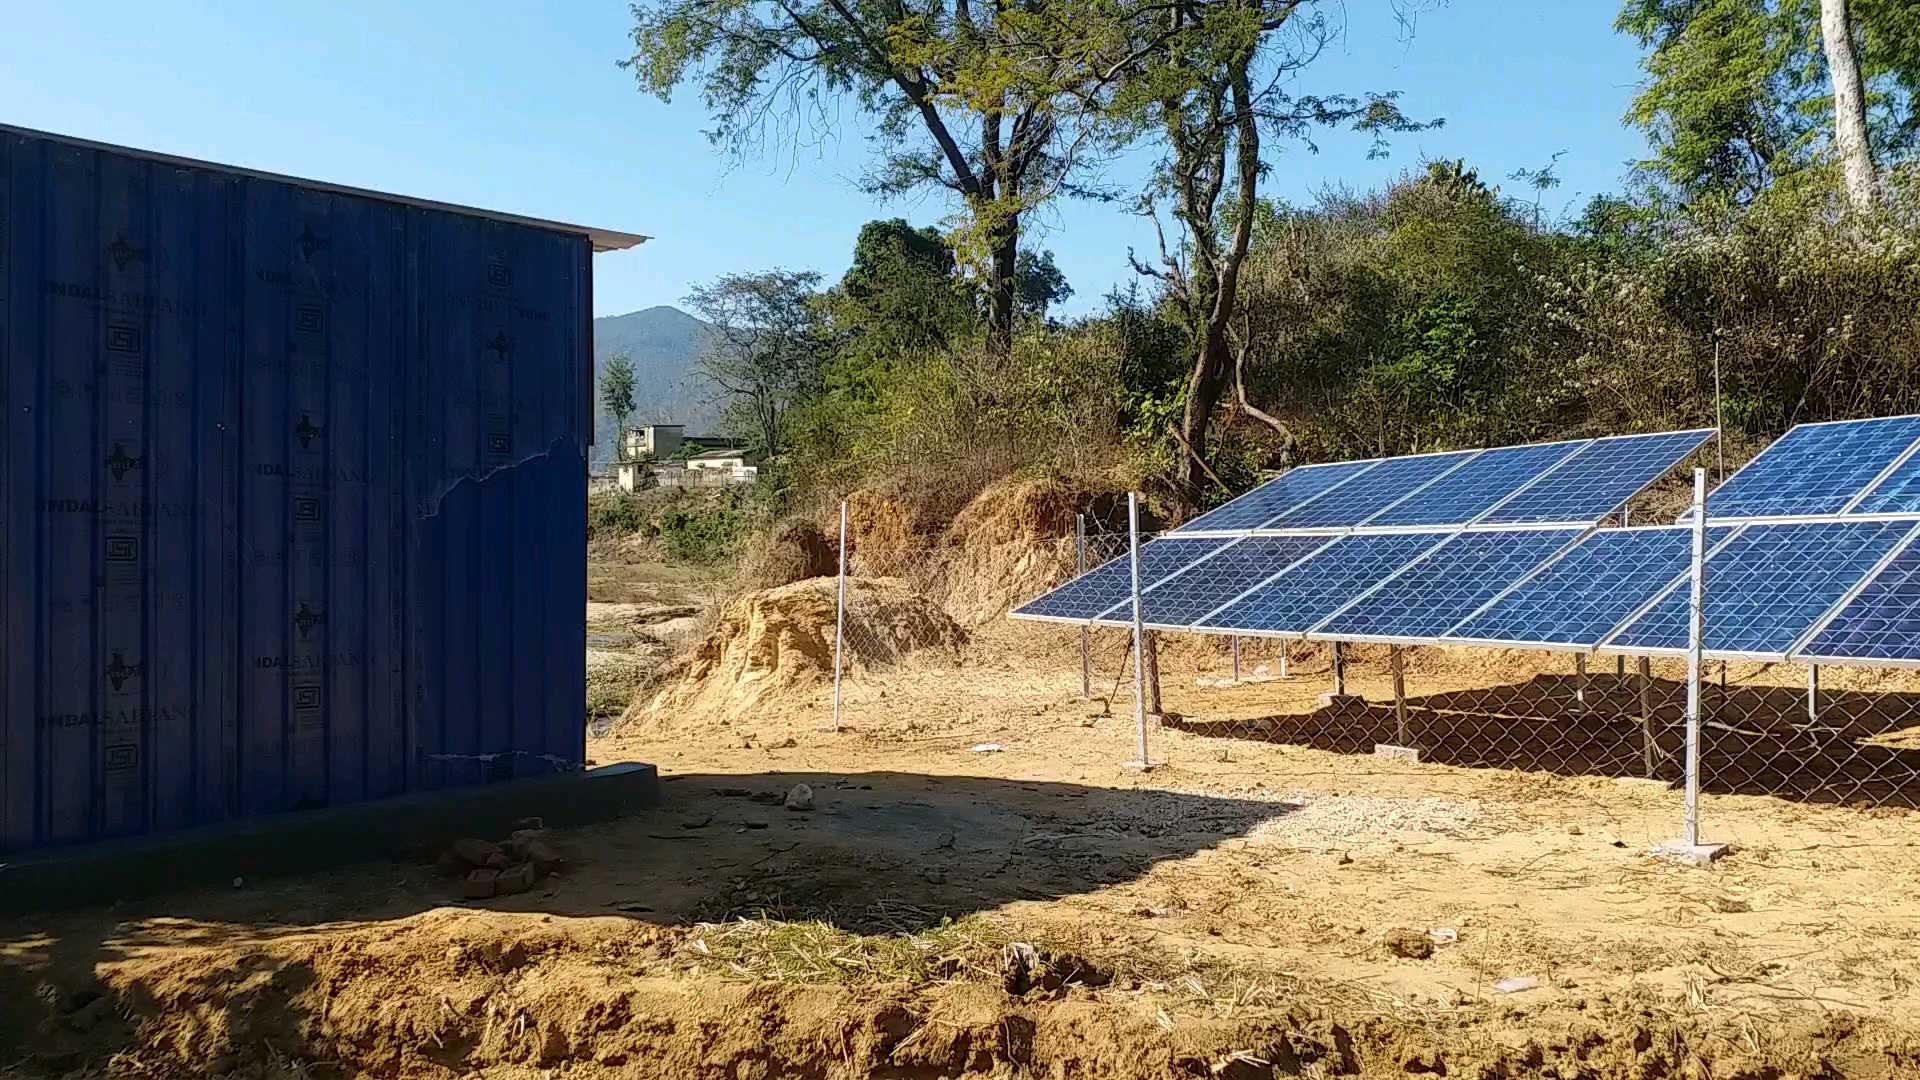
(120, 463)
(124, 254)
(306, 618)
(307, 431)
(120, 674)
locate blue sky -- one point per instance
(519, 107)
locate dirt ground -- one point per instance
(982, 888)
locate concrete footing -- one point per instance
(1408, 754)
(1691, 854)
(1341, 701)
(413, 827)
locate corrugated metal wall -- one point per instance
(292, 506)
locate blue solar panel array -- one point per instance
(1277, 496)
(1814, 469)
(1768, 586)
(1595, 481)
(1238, 567)
(1112, 582)
(1473, 488)
(1899, 493)
(1371, 492)
(1445, 586)
(1298, 599)
(1580, 597)
(1882, 623)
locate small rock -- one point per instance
(239, 883)
(1343, 859)
(498, 861)
(767, 798)
(1573, 830)
(532, 822)
(1515, 984)
(532, 846)
(800, 798)
(474, 852)
(517, 880)
(787, 743)
(450, 865)
(482, 883)
(697, 821)
(754, 824)
(1412, 944)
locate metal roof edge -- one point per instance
(601, 239)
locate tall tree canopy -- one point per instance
(1207, 80)
(768, 349)
(1739, 94)
(957, 98)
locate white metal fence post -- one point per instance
(1689, 847)
(840, 616)
(1695, 628)
(1139, 670)
(1080, 563)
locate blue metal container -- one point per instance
(291, 493)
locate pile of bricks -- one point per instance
(489, 869)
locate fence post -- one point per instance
(1339, 671)
(840, 616)
(1236, 659)
(1080, 564)
(1648, 745)
(1283, 657)
(1139, 672)
(1688, 847)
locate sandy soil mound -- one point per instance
(796, 550)
(774, 641)
(885, 531)
(1013, 542)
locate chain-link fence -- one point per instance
(1831, 734)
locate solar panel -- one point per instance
(1182, 601)
(1323, 584)
(1899, 493)
(1367, 494)
(1814, 469)
(1882, 623)
(1580, 597)
(1445, 586)
(1111, 582)
(1597, 479)
(1470, 490)
(1766, 587)
(1275, 497)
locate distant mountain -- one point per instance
(664, 343)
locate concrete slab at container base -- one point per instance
(291, 494)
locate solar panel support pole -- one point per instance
(1236, 659)
(1400, 696)
(1580, 678)
(840, 615)
(1688, 847)
(1649, 746)
(1620, 662)
(1283, 658)
(1339, 671)
(1080, 568)
(1813, 694)
(1143, 762)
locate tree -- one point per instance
(1206, 78)
(616, 393)
(1038, 285)
(958, 99)
(1741, 95)
(767, 346)
(1849, 102)
(902, 298)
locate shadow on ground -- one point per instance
(879, 853)
(1861, 748)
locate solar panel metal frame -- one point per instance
(1704, 433)
(1466, 458)
(1607, 645)
(1317, 634)
(1300, 635)
(1566, 552)
(1820, 625)
(1686, 516)
(1478, 523)
(1070, 620)
(1114, 616)
(1370, 463)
